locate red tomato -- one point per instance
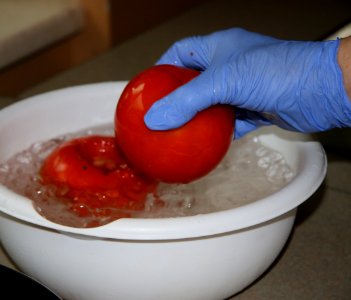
(95, 176)
(175, 156)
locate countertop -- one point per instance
(27, 26)
(316, 261)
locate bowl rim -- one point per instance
(312, 173)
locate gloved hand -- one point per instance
(293, 84)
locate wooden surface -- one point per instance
(105, 23)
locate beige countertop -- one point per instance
(316, 261)
(27, 26)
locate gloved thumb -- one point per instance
(178, 107)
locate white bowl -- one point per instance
(209, 256)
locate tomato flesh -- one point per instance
(94, 174)
(175, 156)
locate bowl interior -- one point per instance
(76, 108)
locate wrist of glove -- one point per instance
(293, 84)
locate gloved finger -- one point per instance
(181, 105)
(189, 53)
(247, 121)
(243, 127)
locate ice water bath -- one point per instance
(249, 171)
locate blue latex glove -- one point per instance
(293, 84)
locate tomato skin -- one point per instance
(93, 173)
(175, 156)
(75, 163)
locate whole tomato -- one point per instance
(175, 156)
